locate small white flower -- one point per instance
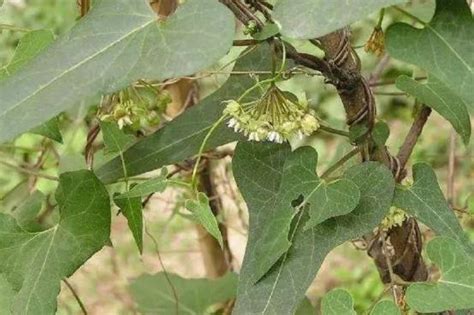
(237, 127)
(232, 122)
(300, 135)
(272, 136)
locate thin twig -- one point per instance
(76, 296)
(334, 131)
(168, 279)
(13, 28)
(413, 135)
(392, 81)
(29, 172)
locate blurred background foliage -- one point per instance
(102, 281)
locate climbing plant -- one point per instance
(116, 72)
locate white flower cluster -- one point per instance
(395, 218)
(273, 117)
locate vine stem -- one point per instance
(168, 279)
(76, 296)
(201, 150)
(333, 131)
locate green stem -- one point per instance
(201, 150)
(411, 16)
(334, 131)
(29, 172)
(13, 28)
(341, 162)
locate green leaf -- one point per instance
(107, 50)
(6, 296)
(28, 47)
(306, 19)
(202, 213)
(425, 200)
(268, 30)
(337, 302)
(35, 263)
(26, 214)
(455, 289)
(380, 133)
(31, 45)
(49, 129)
(385, 307)
(258, 170)
(322, 200)
(154, 295)
(182, 137)
(437, 96)
(115, 140)
(146, 188)
(443, 48)
(132, 210)
(306, 308)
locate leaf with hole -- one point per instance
(455, 289)
(107, 50)
(424, 200)
(258, 170)
(157, 295)
(35, 263)
(307, 19)
(437, 96)
(443, 47)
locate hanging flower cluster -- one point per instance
(273, 117)
(376, 42)
(395, 218)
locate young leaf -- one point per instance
(437, 96)
(425, 200)
(115, 140)
(306, 19)
(258, 170)
(114, 45)
(337, 302)
(322, 200)
(28, 47)
(132, 210)
(182, 137)
(49, 129)
(380, 133)
(455, 289)
(385, 307)
(202, 213)
(31, 45)
(154, 295)
(443, 48)
(35, 263)
(151, 186)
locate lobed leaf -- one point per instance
(443, 47)
(258, 170)
(35, 263)
(455, 289)
(437, 96)
(425, 200)
(113, 46)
